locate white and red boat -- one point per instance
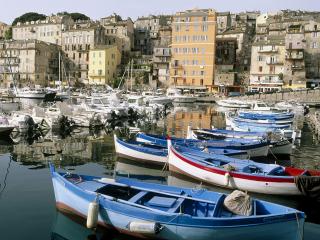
(240, 174)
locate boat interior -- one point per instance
(167, 199)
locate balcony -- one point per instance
(268, 49)
(297, 67)
(268, 81)
(274, 62)
(294, 56)
(176, 66)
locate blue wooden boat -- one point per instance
(224, 133)
(254, 148)
(158, 154)
(148, 210)
(275, 125)
(246, 175)
(278, 146)
(265, 115)
(264, 121)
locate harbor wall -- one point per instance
(305, 96)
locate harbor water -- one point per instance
(27, 204)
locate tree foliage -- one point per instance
(28, 17)
(75, 16)
(8, 34)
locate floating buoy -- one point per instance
(93, 211)
(227, 179)
(144, 227)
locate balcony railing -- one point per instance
(274, 62)
(295, 56)
(268, 50)
(297, 67)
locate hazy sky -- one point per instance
(134, 8)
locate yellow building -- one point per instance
(193, 49)
(103, 62)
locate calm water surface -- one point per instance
(27, 206)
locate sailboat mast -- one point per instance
(60, 68)
(131, 73)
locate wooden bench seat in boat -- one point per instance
(137, 197)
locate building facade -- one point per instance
(76, 44)
(193, 49)
(103, 63)
(119, 32)
(28, 63)
(49, 30)
(226, 75)
(3, 28)
(267, 65)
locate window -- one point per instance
(260, 58)
(260, 69)
(315, 34)
(205, 28)
(201, 83)
(100, 72)
(314, 45)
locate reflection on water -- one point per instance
(24, 171)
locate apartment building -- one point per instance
(49, 30)
(28, 63)
(225, 74)
(119, 32)
(267, 64)
(147, 31)
(103, 63)
(76, 44)
(193, 49)
(312, 52)
(3, 28)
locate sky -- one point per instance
(95, 9)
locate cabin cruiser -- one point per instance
(32, 93)
(154, 98)
(176, 96)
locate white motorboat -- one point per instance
(177, 97)
(36, 93)
(233, 103)
(153, 98)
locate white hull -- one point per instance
(181, 99)
(282, 149)
(126, 152)
(280, 188)
(258, 152)
(232, 104)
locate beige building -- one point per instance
(193, 49)
(267, 64)
(119, 32)
(76, 43)
(49, 30)
(3, 28)
(312, 52)
(103, 63)
(28, 63)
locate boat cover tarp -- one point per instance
(239, 203)
(309, 186)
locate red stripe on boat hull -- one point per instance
(233, 174)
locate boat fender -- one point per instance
(93, 211)
(227, 177)
(145, 227)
